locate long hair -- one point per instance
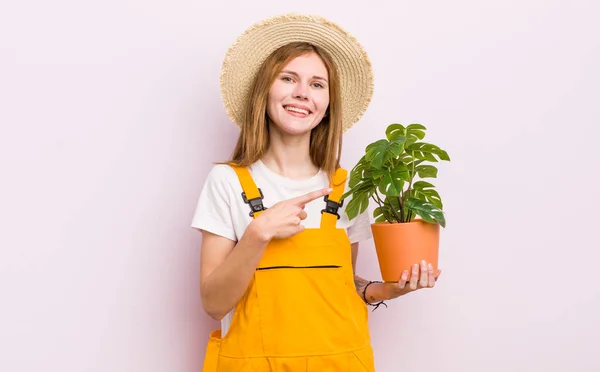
(326, 137)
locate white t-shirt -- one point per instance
(222, 211)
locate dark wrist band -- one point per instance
(364, 294)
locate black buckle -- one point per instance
(332, 207)
(256, 204)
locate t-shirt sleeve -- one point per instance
(361, 228)
(213, 211)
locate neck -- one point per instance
(289, 156)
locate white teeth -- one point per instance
(296, 109)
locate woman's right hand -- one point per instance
(284, 219)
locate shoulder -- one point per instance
(213, 210)
(222, 181)
(221, 172)
(223, 175)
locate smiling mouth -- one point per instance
(296, 110)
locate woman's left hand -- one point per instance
(420, 277)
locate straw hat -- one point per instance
(246, 55)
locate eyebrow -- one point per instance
(296, 75)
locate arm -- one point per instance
(226, 268)
(375, 292)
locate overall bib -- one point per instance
(301, 311)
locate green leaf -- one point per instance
(419, 185)
(406, 158)
(397, 146)
(377, 212)
(393, 131)
(426, 216)
(393, 201)
(416, 130)
(392, 182)
(377, 174)
(358, 204)
(381, 218)
(380, 215)
(426, 171)
(365, 186)
(410, 140)
(371, 150)
(376, 152)
(380, 152)
(443, 155)
(425, 191)
(426, 211)
(383, 214)
(430, 196)
(425, 156)
(358, 172)
(439, 217)
(426, 151)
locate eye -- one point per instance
(286, 79)
(318, 85)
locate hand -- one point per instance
(283, 219)
(423, 277)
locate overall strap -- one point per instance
(330, 215)
(251, 194)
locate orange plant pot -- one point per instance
(401, 245)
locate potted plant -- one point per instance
(409, 211)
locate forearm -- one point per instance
(226, 285)
(375, 292)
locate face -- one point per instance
(299, 96)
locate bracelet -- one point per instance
(365, 297)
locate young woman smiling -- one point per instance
(278, 251)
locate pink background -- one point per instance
(111, 117)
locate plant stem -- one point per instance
(401, 208)
(378, 201)
(387, 217)
(398, 218)
(381, 204)
(410, 181)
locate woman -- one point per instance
(278, 251)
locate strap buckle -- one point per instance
(332, 207)
(256, 204)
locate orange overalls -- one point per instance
(301, 311)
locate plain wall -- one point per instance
(111, 117)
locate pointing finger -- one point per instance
(301, 200)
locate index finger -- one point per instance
(313, 195)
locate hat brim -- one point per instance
(247, 54)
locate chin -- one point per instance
(298, 129)
(295, 128)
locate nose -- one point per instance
(300, 91)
